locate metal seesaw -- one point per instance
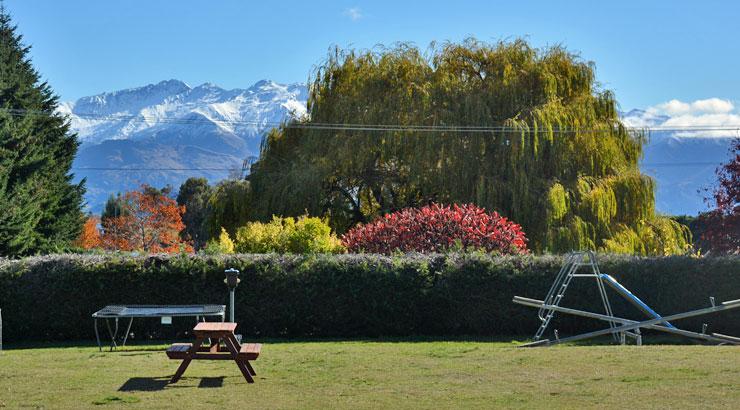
(619, 327)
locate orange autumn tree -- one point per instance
(90, 236)
(148, 221)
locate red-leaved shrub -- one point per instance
(437, 228)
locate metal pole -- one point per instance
(97, 336)
(128, 329)
(231, 305)
(1, 330)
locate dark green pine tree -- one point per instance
(40, 206)
(194, 195)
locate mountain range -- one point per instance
(164, 133)
(161, 134)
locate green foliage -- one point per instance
(564, 166)
(557, 199)
(194, 194)
(114, 207)
(350, 295)
(41, 207)
(221, 246)
(287, 235)
(229, 206)
(697, 226)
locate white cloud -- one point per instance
(707, 122)
(701, 114)
(354, 13)
(711, 117)
(713, 106)
(708, 106)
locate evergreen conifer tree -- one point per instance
(194, 195)
(41, 207)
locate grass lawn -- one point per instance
(382, 374)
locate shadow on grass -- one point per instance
(145, 384)
(139, 384)
(211, 382)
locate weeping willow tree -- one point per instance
(523, 131)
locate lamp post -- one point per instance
(232, 280)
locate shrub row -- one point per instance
(52, 297)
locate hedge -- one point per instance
(52, 297)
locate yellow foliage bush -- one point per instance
(223, 244)
(288, 235)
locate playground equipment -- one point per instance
(620, 328)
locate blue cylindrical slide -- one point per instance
(632, 298)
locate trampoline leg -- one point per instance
(112, 334)
(97, 336)
(128, 329)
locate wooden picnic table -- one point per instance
(217, 332)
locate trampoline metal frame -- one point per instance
(117, 312)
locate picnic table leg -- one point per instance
(186, 361)
(235, 354)
(215, 345)
(246, 362)
(249, 367)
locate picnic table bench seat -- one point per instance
(179, 351)
(250, 351)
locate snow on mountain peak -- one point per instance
(261, 84)
(643, 118)
(170, 124)
(136, 113)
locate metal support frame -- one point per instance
(555, 295)
(731, 304)
(714, 337)
(620, 328)
(111, 312)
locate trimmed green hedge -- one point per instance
(52, 297)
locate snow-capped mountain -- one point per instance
(682, 163)
(171, 125)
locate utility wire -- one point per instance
(152, 169)
(137, 169)
(366, 127)
(352, 127)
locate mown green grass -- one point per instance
(369, 374)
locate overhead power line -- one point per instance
(680, 164)
(353, 127)
(367, 127)
(139, 169)
(134, 169)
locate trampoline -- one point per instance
(116, 312)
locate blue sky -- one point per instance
(648, 52)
